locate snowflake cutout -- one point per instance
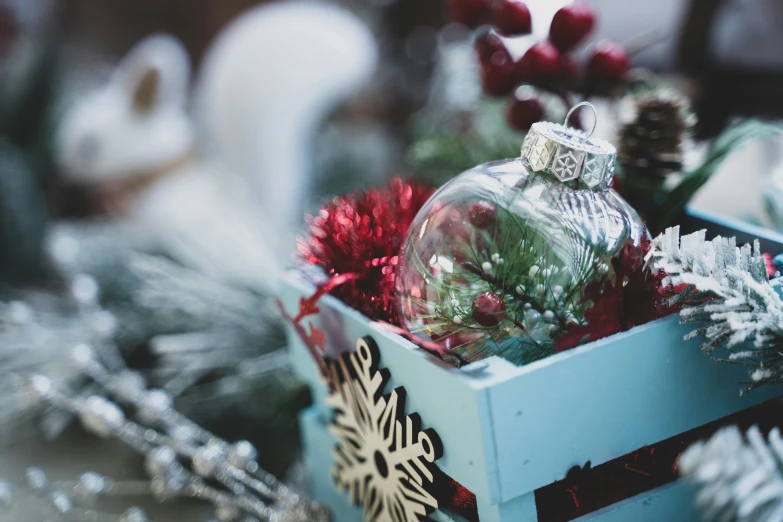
(383, 458)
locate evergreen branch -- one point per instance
(441, 157)
(740, 479)
(725, 290)
(507, 289)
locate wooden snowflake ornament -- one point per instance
(384, 460)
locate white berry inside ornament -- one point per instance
(498, 260)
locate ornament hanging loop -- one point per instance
(595, 118)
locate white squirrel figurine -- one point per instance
(224, 196)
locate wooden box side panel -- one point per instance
(606, 399)
(673, 502)
(449, 404)
(317, 445)
(727, 226)
(509, 430)
(520, 509)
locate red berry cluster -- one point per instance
(547, 65)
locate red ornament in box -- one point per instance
(633, 298)
(488, 309)
(482, 214)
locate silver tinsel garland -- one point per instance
(214, 345)
(182, 459)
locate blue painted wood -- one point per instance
(606, 399)
(727, 226)
(509, 430)
(670, 503)
(455, 406)
(318, 444)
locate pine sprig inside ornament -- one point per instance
(507, 292)
(361, 234)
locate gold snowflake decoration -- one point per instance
(383, 458)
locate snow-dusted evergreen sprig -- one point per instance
(710, 265)
(740, 479)
(215, 343)
(237, 323)
(726, 291)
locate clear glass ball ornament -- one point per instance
(502, 254)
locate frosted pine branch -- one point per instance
(740, 479)
(202, 331)
(33, 340)
(724, 290)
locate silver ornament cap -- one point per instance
(570, 154)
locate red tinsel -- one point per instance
(633, 298)
(362, 234)
(768, 261)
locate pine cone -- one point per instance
(651, 145)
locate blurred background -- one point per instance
(157, 159)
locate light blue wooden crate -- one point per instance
(670, 503)
(728, 226)
(509, 430)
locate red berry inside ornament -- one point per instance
(512, 18)
(488, 309)
(540, 62)
(609, 63)
(570, 25)
(498, 74)
(482, 214)
(524, 112)
(472, 13)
